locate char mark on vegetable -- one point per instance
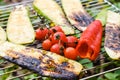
(82, 19)
(44, 65)
(112, 40)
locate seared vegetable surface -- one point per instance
(2, 35)
(43, 62)
(76, 14)
(112, 35)
(19, 27)
(52, 11)
(90, 41)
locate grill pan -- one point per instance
(102, 65)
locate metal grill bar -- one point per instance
(20, 75)
(11, 71)
(100, 73)
(89, 5)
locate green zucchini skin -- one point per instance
(53, 12)
(76, 14)
(112, 35)
(19, 27)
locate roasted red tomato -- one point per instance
(55, 29)
(46, 44)
(59, 37)
(71, 41)
(57, 48)
(42, 33)
(70, 53)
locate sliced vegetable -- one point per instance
(19, 27)
(90, 41)
(112, 35)
(102, 16)
(52, 11)
(76, 14)
(2, 35)
(43, 62)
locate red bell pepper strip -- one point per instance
(90, 41)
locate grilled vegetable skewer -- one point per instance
(43, 62)
(53, 12)
(112, 35)
(19, 28)
(76, 14)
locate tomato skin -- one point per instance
(38, 32)
(70, 53)
(57, 48)
(59, 36)
(41, 33)
(71, 41)
(46, 44)
(50, 37)
(55, 29)
(45, 32)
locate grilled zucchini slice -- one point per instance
(19, 27)
(101, 17)
(112, 35)
(76, 14)
(2, 35)
(43, 62)
(52, 11)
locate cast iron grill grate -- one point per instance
(101, 66)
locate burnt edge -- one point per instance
(82, 19)
(112, 39)
(34, 65)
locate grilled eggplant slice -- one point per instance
(52, 11)
(19, 27)
(112, 35)
(43, 62)
(76, 14)
(2, 35)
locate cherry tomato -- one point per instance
(59, 36)
(57, 48)
(46, 44)
(71, 41)
(41, 33)
(38, 33)
(50, 37)
(55, 29)
(70, 53)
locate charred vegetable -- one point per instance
(90, 41)
(2, 35)
(19, 27)
(52, 11)
(76, 14)
(43, 62)
(112, 35)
